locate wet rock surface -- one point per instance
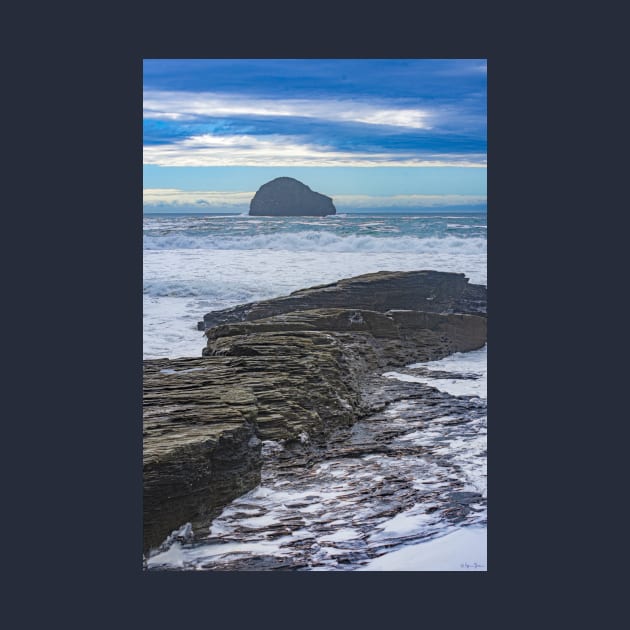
(276, 395)
(400, 476)
(428, 291)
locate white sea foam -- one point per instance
(178, 556)
(464, 549)
(341, 535)
(408, 522)
(459, 226)
(193, 265)
(181, 286)
(317, 242)
(473, 364)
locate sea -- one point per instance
(194, 264)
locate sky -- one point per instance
(373, 134)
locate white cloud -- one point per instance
(172, 198)
(171, 116)
(176, 197)
(463, 68)
(163, 105)
(278, 150)
(404, 201)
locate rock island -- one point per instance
(288, 197)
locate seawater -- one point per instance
(329, 515)
(193, 264)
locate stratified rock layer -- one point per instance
(288, 197)
(290, 376)
(430, 291)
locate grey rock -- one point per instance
(288, 197)
(425, 290)
(276, 378)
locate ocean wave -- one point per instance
(318, 242)
(202, 288)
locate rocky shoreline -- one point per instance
(426, 290)
(294, 370)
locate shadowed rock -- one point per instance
(429, 291)
(288, 197)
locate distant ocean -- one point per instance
(193, 264)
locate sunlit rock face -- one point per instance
(288, 197)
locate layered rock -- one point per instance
(288, 197)
(429, 291)
(379, 339)
(292, 376)
(389, 463)
(199, 444)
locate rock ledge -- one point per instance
(290, 376)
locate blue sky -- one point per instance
(382, 134)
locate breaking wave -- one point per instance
(318, 241)
(201, 288)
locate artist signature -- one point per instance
(472, 565)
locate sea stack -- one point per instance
(288, 197)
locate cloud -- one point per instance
(180, 105)
(463, 67)
(281, 150)
(165, 199)
(212, 198)
(407, 201)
